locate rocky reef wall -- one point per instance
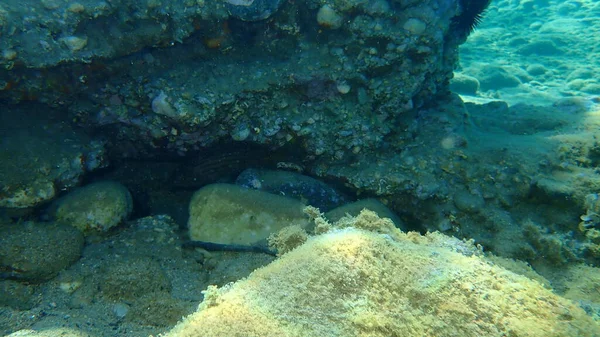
(331, 77)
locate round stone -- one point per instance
(94, 208)
(36, 252)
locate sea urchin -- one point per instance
(471, 13)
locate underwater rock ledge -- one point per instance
(330, 77)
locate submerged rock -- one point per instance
(364, 277)
(36, 252)
(294, 185)
(328, 93)
(138, 282)
(41, 155)
(371, 204)
(230, 214)
(94, 208)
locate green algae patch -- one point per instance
(350, 281)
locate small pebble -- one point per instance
(343, 88)
(9, 54)
(74, 43)
(120, 310)
(415, 26)
(329, 18)
(76, 8)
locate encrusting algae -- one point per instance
(363, 277)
